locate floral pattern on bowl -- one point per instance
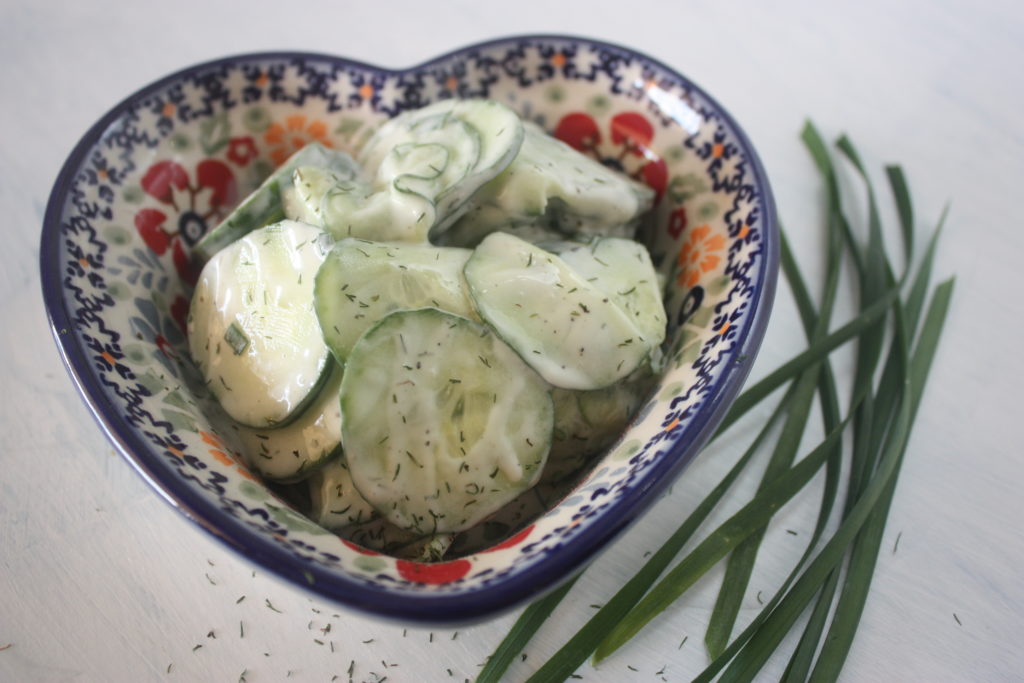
(157, 172)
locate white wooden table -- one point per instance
(100, 580)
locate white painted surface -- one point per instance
(100, 580)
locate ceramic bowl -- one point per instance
(163, 166)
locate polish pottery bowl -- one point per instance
(166, 164)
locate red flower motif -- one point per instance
(194, 206)
(168, 183)
(434, 573)
(149, 223)
(163, 175)
(241, 151)
(579, 131)
(626, 149)
(632, 131)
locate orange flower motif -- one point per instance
(699, 255)
(295, 133)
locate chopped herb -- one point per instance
(957, 619)
(897, 543)
(196, 647)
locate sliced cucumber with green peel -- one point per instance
(334, 501)
(587, 422)
(266, 204)
(622, 269)
(431, 161)
(564, 327)
(609, 409)
(467, 234)
(442, 422)
(252, 329)
(293, 452)
(551, 184)
(361, 282)
(382, 536)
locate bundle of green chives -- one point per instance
(832, 577)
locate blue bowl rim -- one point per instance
(422, 608)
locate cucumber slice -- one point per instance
(348, 207)
(252, 329)
(564, 327)
(467, 233)
(622, 269)
(334, 501)
(551, 184)
(608, 410)
(432, 160)
(267, 204)
(293, 452)
(382, 536)
(443, 424)
(361, 282)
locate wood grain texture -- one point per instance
(100, 580)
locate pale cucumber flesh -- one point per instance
(572, 333)
(252, 329)
(442, 423)
(361, 282)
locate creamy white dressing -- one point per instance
(334, 500)
(258, 292)
(361, 282)
(560, 324)
(443, 422)
(458, 427)
(289, 453)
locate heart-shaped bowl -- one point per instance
(163, 166)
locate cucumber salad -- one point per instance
(409, 342)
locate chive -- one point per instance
(524, 628)
(575, 652)
(749, 519)
(880, 419)
(878, 489)
(236, 339)
(741, 563)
